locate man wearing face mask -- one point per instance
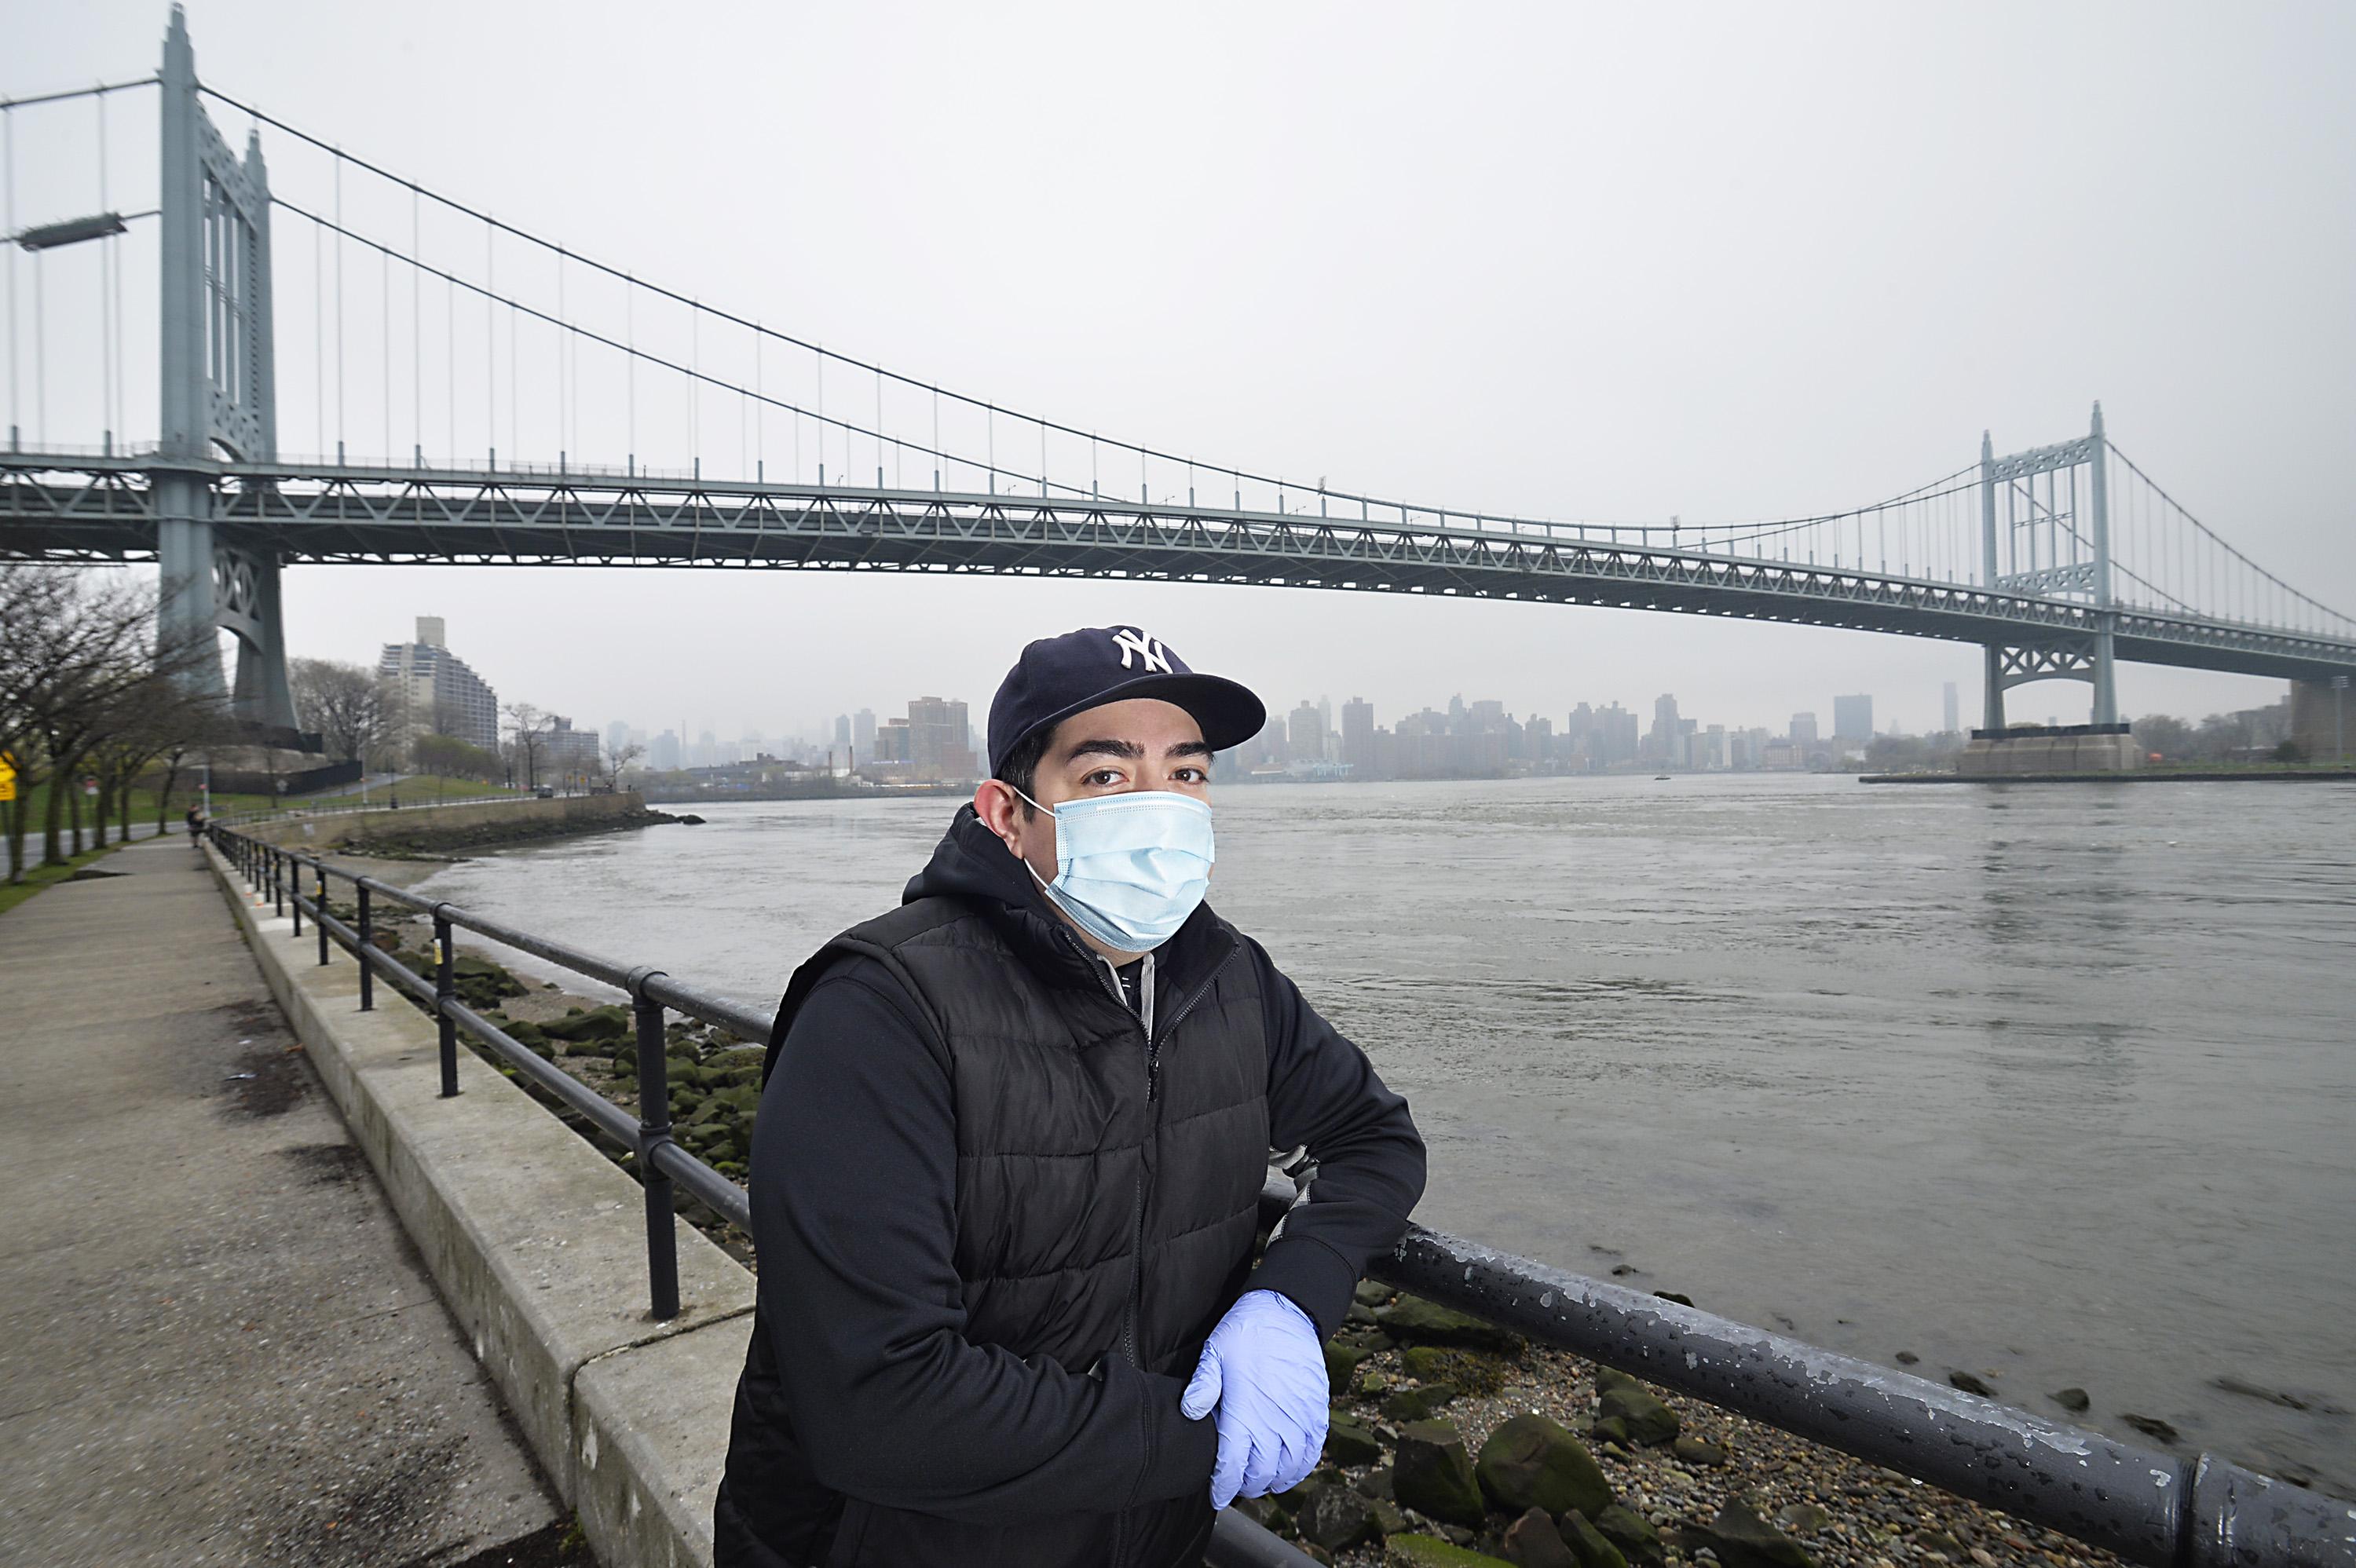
(1005, 1172)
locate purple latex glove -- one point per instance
(1264, 1371)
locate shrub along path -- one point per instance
(217, 1345)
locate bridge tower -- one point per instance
(218, 380)
(2054, 540)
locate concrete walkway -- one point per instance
(217, 1345)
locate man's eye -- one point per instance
(1102, 778)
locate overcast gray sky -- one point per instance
(1716, 261)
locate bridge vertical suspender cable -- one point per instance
(106, 259)
(416, 343)
(339, 310)
(490, 347)
(8, 217)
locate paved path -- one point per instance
(217, 1345)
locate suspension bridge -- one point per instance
(480, 394)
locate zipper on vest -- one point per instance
(1153, 1038)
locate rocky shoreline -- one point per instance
(1454, 1443)
(388, 839)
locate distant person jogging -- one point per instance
(1006, 1172)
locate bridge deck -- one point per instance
(59, 508)
(217, 1345)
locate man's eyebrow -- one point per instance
(1189, 749)
(1129, 750)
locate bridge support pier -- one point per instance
(218, 385)
(188, 616)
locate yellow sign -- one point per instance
(7, 776)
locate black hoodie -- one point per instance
(854, 1199)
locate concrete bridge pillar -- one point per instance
(2320, 718)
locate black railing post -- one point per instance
(319, 908)
(445, 991)
(278, 881)
(295, 892)
(368, 945)
(654, 1130)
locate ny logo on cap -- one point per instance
(1130, 640)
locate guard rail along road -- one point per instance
(2148, 1507)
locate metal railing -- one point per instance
(2148, 1507)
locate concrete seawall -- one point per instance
(538, 1244)
(459, 825)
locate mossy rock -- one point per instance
(1347, 1442)
(1420, 1402)
(1413, 1319)
(609, 1022)
(1588, 1543)
(1646, 1419)
(1633, 1534)
(1342, 1364)
(1532, 1462)
(1474, 1371)
(1741, 1539)
(1430, 1551)
(1432, 1475)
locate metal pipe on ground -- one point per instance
(2148, 1508)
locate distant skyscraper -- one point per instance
(1666, 741)
(841, 731)
(1853, 718)
(1358, 736)
(618, 735)
(1306, 737)
(1954, 709)
(1803, 730)
(863, 732)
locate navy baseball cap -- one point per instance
(1058, 677)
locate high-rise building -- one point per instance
(1954, 709)
(1853, 719)
(1305, 737)
(663, 754)
(841, 731)
(936, 740)
(563, 749)
(618, 735)
(1665, 742)
(1803, 730)
(863, 732)
(1358, 736)
(436, 692)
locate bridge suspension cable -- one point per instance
(1839, 535)
(2257, 592)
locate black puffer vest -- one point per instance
(1106, 1196)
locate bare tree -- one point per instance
(618, 760)
(75, 644)
(343, 702)
(526, 738)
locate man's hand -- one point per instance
(1264, 1371)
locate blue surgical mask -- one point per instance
(1129, 868)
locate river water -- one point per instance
(2052, 1084)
